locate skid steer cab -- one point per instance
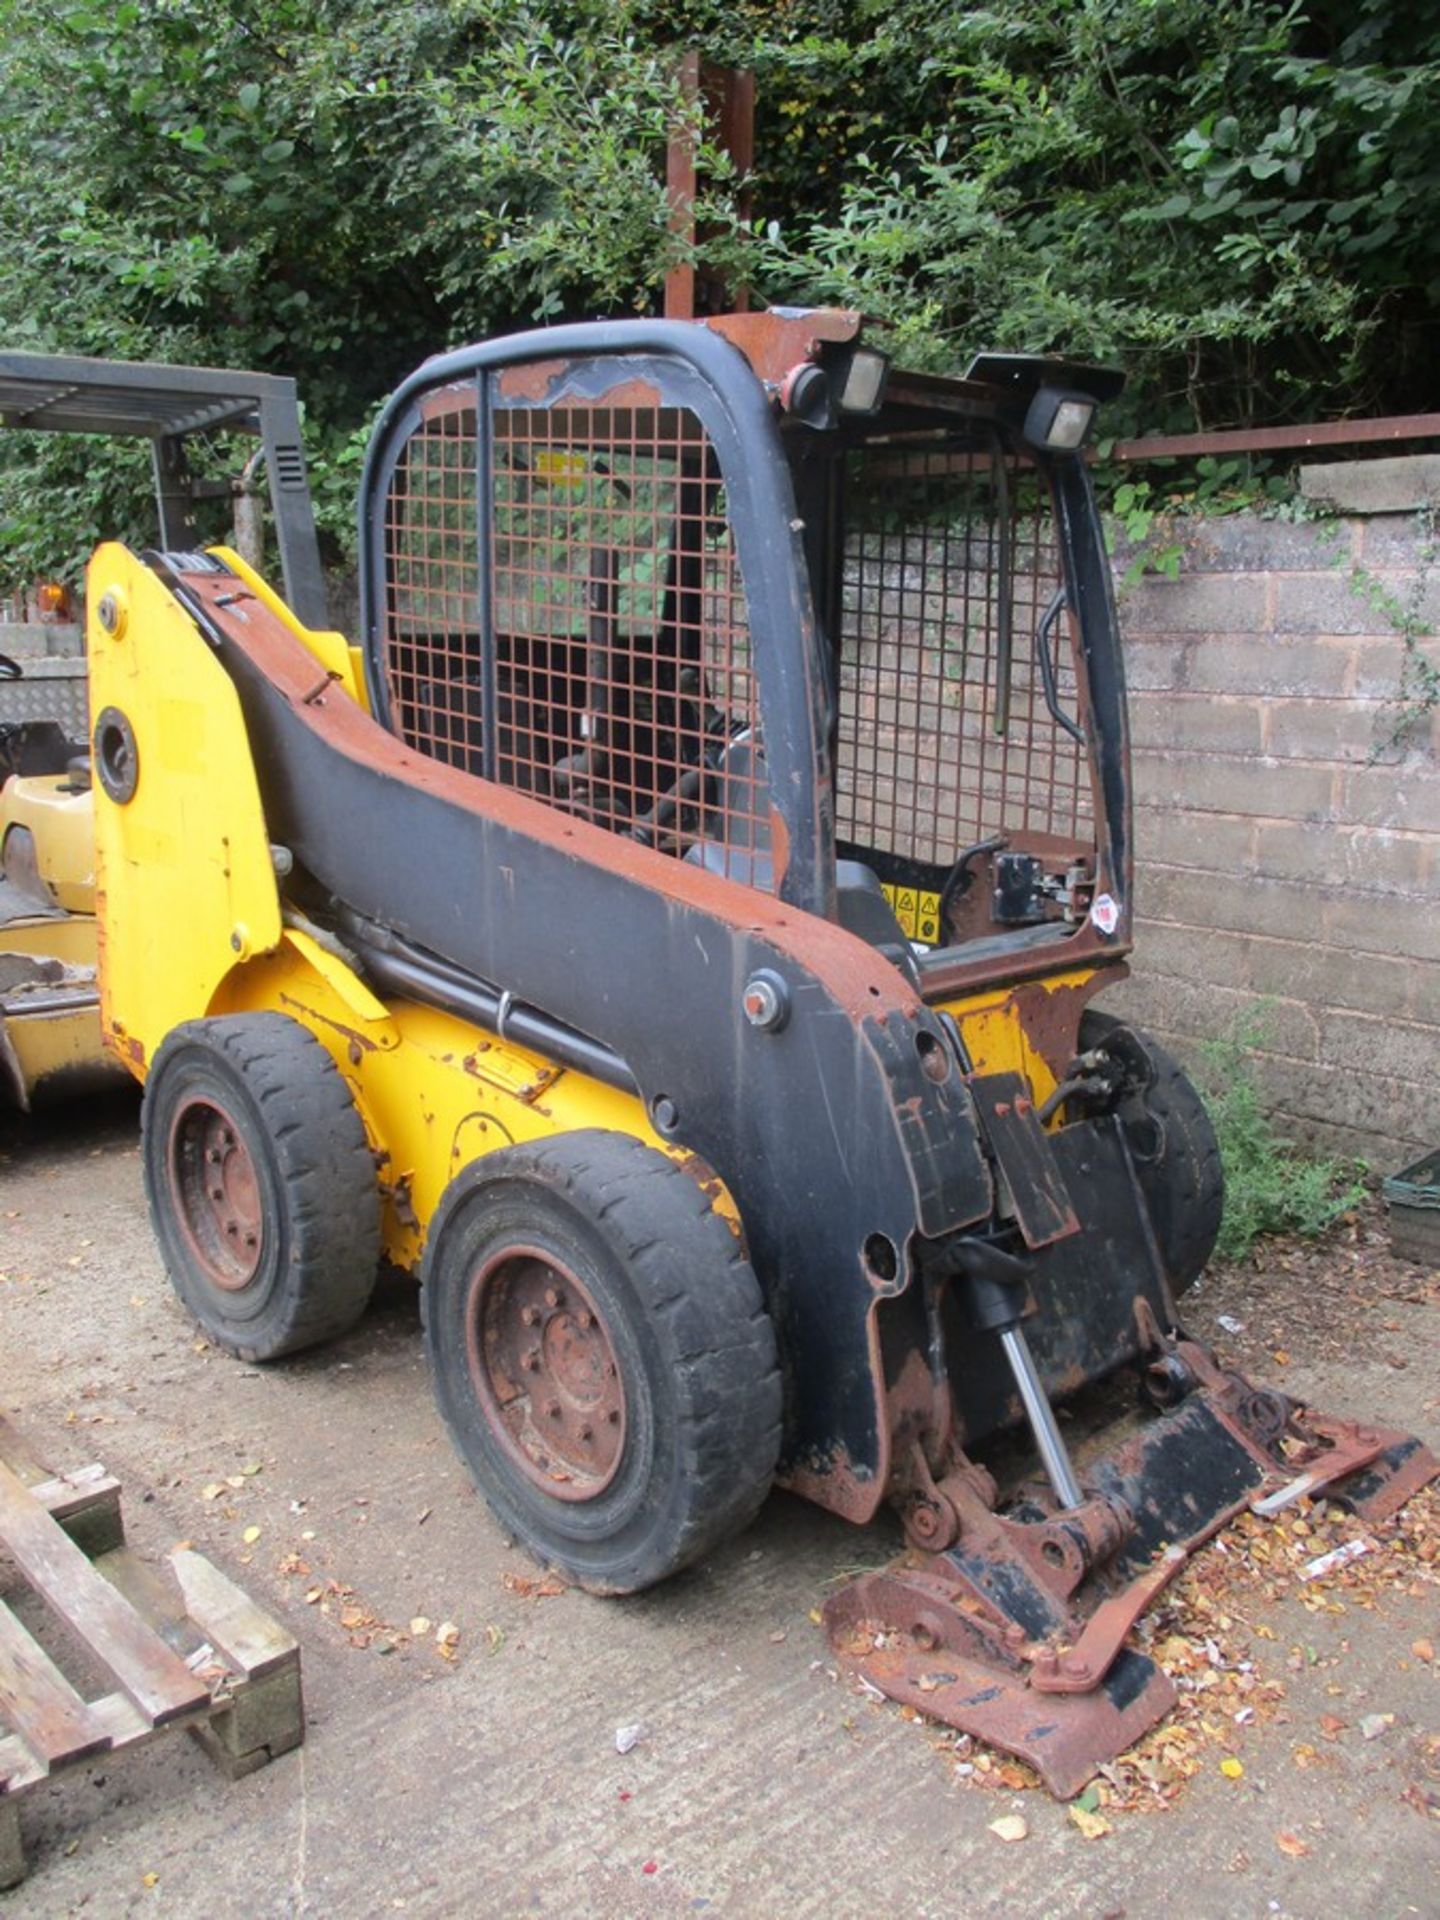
(671, 933)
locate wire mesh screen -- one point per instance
(431, 645)
(615, 677)
(951, 626)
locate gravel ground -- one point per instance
(1302, 1776)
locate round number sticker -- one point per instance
(1105, 913)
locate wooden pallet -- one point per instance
(198, 1654)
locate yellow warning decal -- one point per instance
(560, 468)
(918, 913)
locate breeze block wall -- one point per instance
(1285, 853)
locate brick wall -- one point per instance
(1278, 858)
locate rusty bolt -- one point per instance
(531, 1360)
(212, 1154)
(766, 1001)
(554, 1297)
(530, 1316)
(585, 1319)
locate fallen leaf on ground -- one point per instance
(1092, 1825)
(1292, 1844)
(1010, 1826)
(1232, 1768)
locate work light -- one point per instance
(1057, 421)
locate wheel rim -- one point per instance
(215, 1194)
(544, 1372)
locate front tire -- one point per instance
(601, 1356)
(261, 1184)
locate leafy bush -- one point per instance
(1230, 198)
(1271, 1186)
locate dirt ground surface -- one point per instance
(1300, 1777)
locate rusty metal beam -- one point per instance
(1324, 433)
(680, 184)
(728, 97)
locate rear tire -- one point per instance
(1176, 1154)
(261, 1184)
(602, 1356)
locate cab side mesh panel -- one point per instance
(946, 550)
(431, 644)
(615, 681)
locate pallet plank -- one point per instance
(158, 1682)
(248, 1637)
(39, 1702)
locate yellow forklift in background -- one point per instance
(50, 1038)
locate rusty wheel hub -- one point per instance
(216, 1194)
(545, 1373)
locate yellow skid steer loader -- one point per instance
(672, 933)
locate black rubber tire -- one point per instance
(685, 1320)
(1177, 1159)
(316, 1197)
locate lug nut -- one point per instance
(531, 1360)
(554, 1297)
(584, 1319)
(530, 1316)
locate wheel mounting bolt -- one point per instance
(530, 1316)
(585, 1320)
(213, 1156)
(554, 1297)
(531, 1360)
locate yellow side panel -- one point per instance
(184, 881)
(996, 1038)
(434, 1091)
